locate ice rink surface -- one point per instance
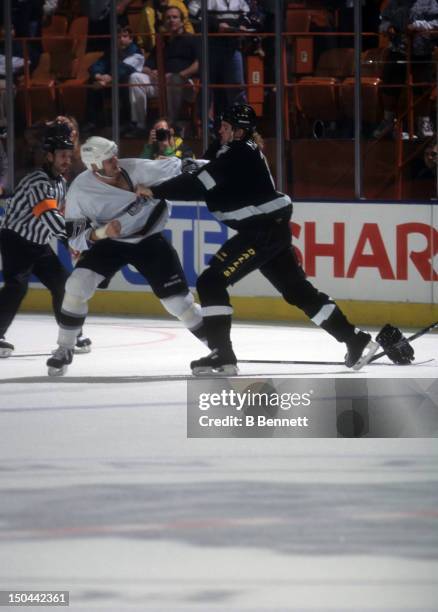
(103, 495)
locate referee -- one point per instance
(32, 218)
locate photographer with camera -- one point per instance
(163, 142)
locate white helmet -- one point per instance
(96, 150)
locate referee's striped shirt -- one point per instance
(33, 210)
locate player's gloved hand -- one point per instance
(395, 345)
(188, 165)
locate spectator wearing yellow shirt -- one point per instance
(151, 21)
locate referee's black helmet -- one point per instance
(240, 116)
(57, 136)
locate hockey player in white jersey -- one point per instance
(111, 226)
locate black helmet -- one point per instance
(241, 116)
(57, 136)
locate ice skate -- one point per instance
(361, 349)
(217, 362)
(58, 363)
(6, 348)
(83, 345)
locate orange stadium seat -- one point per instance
(39, 101)
(317, 97)
(78, 33)
(57, 28)
(372, 68)
(67, 45)
(73, 92)
(134, 22)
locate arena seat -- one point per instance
(317, 97)
(73, 92)
(57, 28)
(78, 32)
(66, 46)
(134, 22)
(372, 69)
(39, 100)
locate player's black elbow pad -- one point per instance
(76, 227)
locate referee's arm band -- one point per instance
(43, 207)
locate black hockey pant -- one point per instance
(270, 251)
(155, 259)
(21, 259)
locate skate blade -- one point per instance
(57, 371)
(367, 355)
(5, 352)
(226, 370)
(78, 350)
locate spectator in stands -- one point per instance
(343, 18)
(122, 12)
(407, 24)
(163, 142)
(421, 174)
(255, 22)
(131, 60)
(49, 7)
(181, 63)
(431, 157)
(17, 70)
(152, 21)
(27, 16)
(425, 166)
(98, 13)
(225, 56)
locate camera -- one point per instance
(162, 134)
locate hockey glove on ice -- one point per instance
(395, 345)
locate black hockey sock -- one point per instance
(71, 321)
(218, 330)
(338, 326)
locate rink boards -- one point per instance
(379, 260)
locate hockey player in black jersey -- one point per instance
(239, 190)
(32, 219)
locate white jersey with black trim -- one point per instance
(33, 210)
(92, 203)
